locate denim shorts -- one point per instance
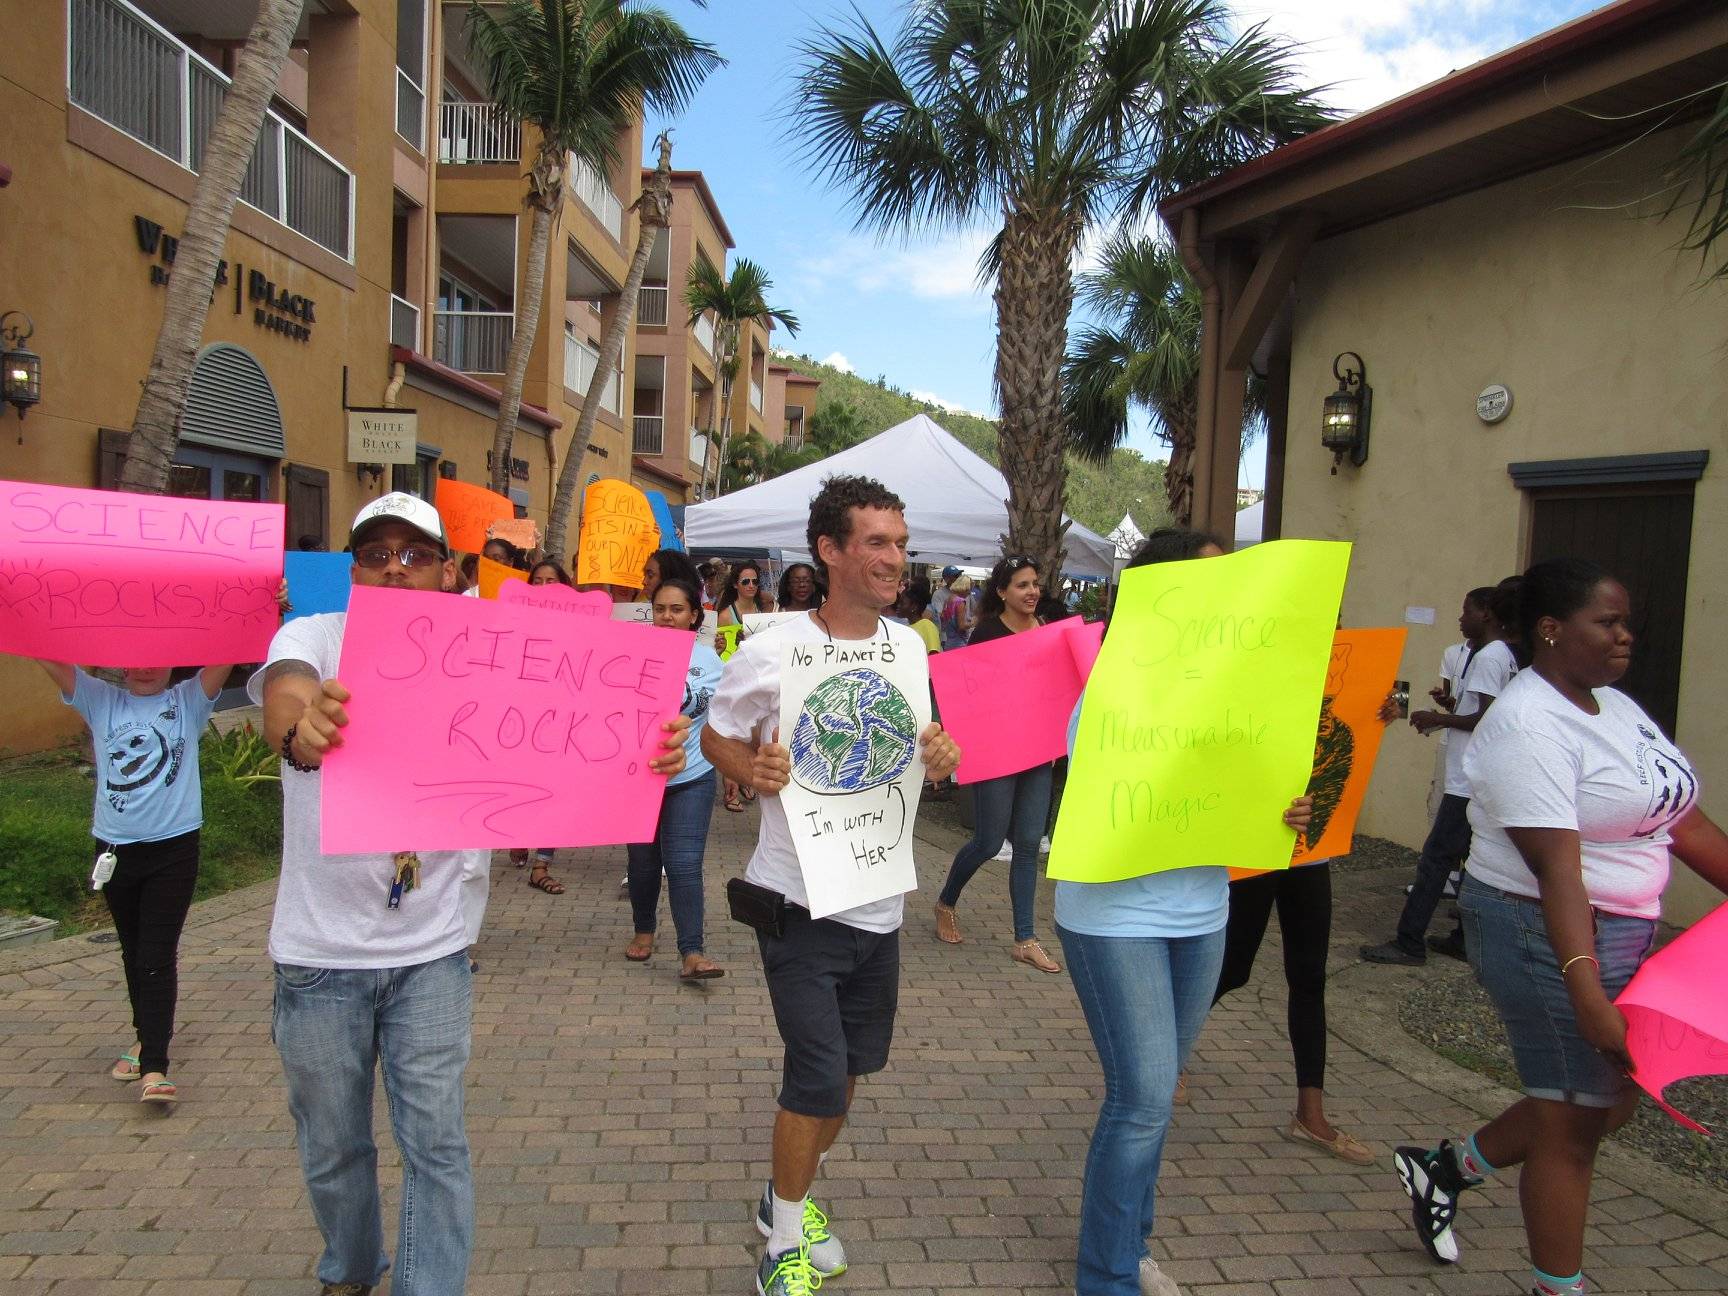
(1507, 941)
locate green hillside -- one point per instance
(1097, 495)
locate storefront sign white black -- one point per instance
(383, 436)
(276, 309)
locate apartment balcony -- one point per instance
(649, 435)
(404, 323)
(651, 305)
(580, 361)
(472, 341)
(596, 195)
(133, 74)
(704, 331)
(410, 110)
(755, 395)
(477, 134)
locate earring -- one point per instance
(1549, 640)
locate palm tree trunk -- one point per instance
(1180, 424)
(545, 192)
(227, 153)
(654, 213)
(1034, 291)
(726, 369)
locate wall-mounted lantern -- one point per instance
(1344, 422)
(20, 367)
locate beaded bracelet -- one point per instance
(288, 752)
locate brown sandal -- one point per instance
(1032, 953)
(699, 967)
(641, 947)
(540, 880)
(947, 925)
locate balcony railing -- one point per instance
(138, 78)
(755, 395)
(580, 361)
(472, 341)
(410, 110)
(478, 134)
(650, 435)
(705, 333)
(651, 305)
(404, 323)
(597, 196)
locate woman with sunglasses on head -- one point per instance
(1013, 807)
(800, 591)
(1579, 803)
(682, 833)
(1144, 954)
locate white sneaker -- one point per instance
(1006, 853)
(1154, 1281)
(1044, 846)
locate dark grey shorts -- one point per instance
(835, 989)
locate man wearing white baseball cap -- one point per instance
(371, 959)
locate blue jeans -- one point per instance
(333, 1027)
(1145, 1000)
(1013, 808)
(677, 847)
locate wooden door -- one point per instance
(308, 491)
(1643, 535)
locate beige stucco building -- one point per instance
(1501, 228)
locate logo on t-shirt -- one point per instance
(1672, 784)
(139, 754)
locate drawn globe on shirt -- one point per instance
(855, 731)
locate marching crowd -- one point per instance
(1562, 806)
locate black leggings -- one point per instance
(1304, 899)
(149, 894)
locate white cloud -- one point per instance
(944, 268)
(834, 360)
(953, 407)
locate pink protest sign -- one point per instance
(1676, 1016)
(483, 723)
(1085, 641)
(104, 578)
(1007, 702)
(559, 598)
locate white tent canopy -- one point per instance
(956, 503)
(1127, 537)
(1250, 522)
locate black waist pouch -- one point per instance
(756, 906)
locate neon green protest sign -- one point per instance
(1197, 726)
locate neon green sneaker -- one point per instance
(827, 1256)
(788, 1274)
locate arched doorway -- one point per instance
(231, 431)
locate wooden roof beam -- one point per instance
(1247, 318)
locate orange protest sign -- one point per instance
(618, 534)
(1363, 668)
(520, 532)
(468, 510)
(492, 575)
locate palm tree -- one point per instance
(734, 300)
(579, 72)
(1145, 351)
(654, 214)
(1052, 118)
(1704, 162)
(227, 154)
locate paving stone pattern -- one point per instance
(620, 1124)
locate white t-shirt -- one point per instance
(1486, 677)
(747, 708)
(1452, 663)
(332, 910)
(1539, 762)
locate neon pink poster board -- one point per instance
(106, 578)
(558, 598)
(1676, 1015)
(478, 723)
(1008, 702)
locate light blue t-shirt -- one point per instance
(1180, 902)
(699, 686)
(147, 786)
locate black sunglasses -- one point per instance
(374, 557)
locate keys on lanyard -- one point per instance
(407, 877)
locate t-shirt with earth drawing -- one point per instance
(332, 911)
(147, 784)
(747, 708)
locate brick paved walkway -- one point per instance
(619, 1123)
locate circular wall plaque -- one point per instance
(1494, 403)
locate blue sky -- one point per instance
(911, 309)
